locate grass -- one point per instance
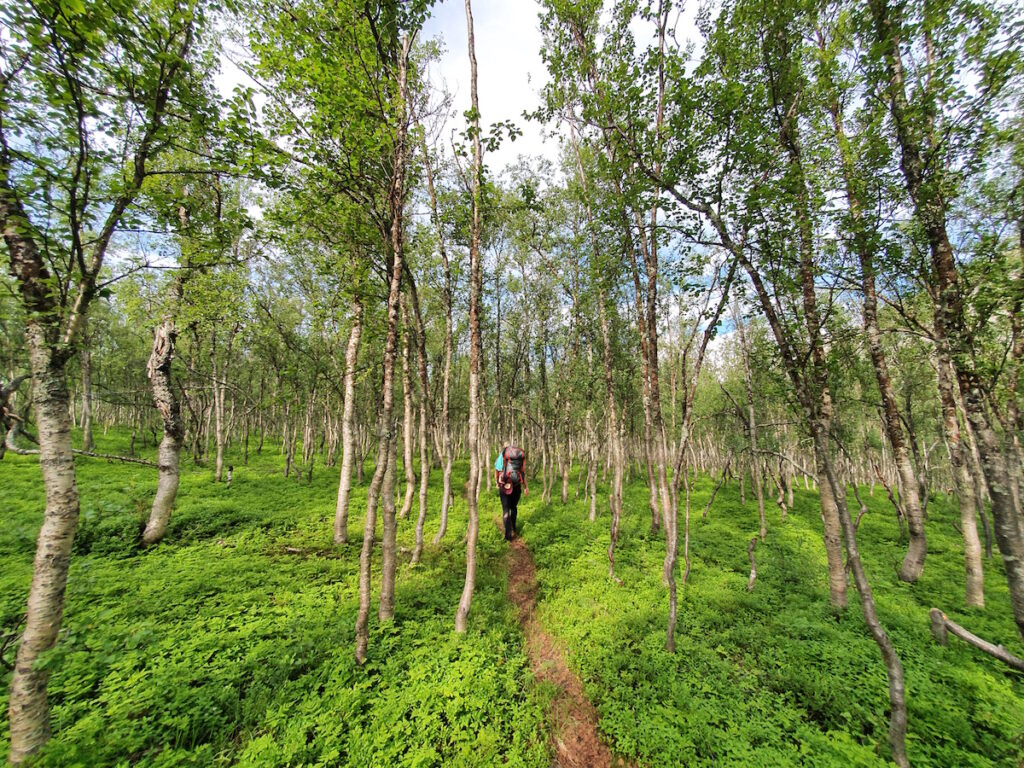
(231, 643)
(225, 646)
(774, 677)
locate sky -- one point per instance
(510, 72)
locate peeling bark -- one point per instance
(167, 404)
(28, 709)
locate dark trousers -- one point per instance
(509, 507)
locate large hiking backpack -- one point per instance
(513, 460)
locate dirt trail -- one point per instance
(572, 716)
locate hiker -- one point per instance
(510, 477)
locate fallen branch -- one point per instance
(753, 564)
(113, 457)
(941, 625)
(14, 448)
(9, 440)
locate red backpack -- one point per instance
(513, 460)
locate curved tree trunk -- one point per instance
(818, 396)
(910, 496)
(159, 369)
(1008, 523)
(923, 181)
(893, 666)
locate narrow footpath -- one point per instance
(573, 718)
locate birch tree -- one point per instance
(112, 83)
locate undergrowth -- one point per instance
(773, 677)
(231, 643)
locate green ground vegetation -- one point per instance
(231, 642)
(773, 677)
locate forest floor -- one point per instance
(231, 642)
(571, 717)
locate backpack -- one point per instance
(513, 460)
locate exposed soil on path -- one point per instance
(572, 716)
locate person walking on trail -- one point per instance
(510, 477)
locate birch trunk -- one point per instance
(349, 450)
(54, 325)
(220, 384)
(963, 484)
(818, 398)
(978, 477)
(159, 370)
(755, 464)
(910, 498)
(475, 344)
(385, 429)
(407, 415)
(614, 439)
(893, 666)
(445, 427)
(86, 359)
(923, 183)
(1008, 523)
(425, 427)
(28, 710)
(389, 545)
(592, 468)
